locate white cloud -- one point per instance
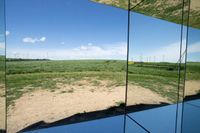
(7, 33)
(42, 39)
(29, 40)
(169, 53)
(110, 51)
(194, 48)
(33, 40)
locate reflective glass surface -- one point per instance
(78, 66)
(2, 68)
(66, 59)
(191, 105)
(106, 125)
(155, 48)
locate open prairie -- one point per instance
(52, 90)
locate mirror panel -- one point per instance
(191, 105)
(64, 64)
(133, 127)
(2, 68)
(153, 67)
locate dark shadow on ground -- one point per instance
(192, 97)
(2, 131)
(88, 116)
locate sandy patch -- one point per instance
(2, 107)
(70, 100)
(192, 87)
(138, 95)
(195, 4)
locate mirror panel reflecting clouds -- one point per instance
(153, 67)
(2, 68)
(65, 59)
(65, 64)
(191, 105)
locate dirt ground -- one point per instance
(192, 87)
(75, 98)
(2, 107)
(72, 99)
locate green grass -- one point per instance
(27, 76)
(163, 9)
(2, 69)
(24, 67)
(2, 76)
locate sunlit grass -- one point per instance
(27, 76)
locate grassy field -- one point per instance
(2, 74)
(26, 76)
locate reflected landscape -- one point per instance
(2, 69)
(2, 93)
(191, 105)
(154, 59)
(69, 70)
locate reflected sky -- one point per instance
(2, 28)
(71, 30)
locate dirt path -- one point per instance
(72, 99)
(2, 108)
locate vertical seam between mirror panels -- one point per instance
(127, 58)
(5, 79)
(187, 33)
(179, 67)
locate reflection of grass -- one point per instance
(159, 77)
(162, 78)
(2, 69)
(2, 76)
(24, 67)
(163, 9)
(96, 83)
(46, 74)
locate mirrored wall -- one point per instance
(2, 69)
(73, 65)
(154, 65)
(66, 62)
(191, 104)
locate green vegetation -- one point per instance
(2, 76)
(27, 76)
(2, 69)
(162, 9)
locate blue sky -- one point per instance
(2, 28)
(80, 29)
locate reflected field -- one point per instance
(70, 87)
(2, 68)
(65, 88)
(2, 93)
